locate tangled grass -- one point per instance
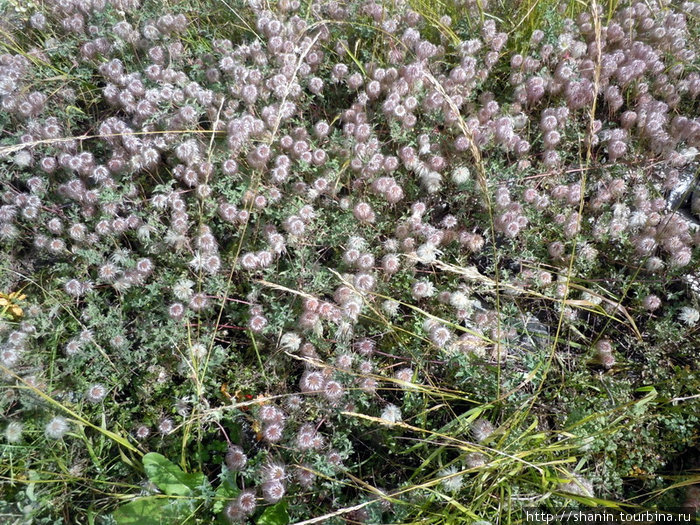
(347, 262)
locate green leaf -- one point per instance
(30, 489)
(275, 515)
(147, 511)
(170, 478)
(226, 491)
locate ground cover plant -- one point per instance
(347, 262)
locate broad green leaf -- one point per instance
(275, 515)
(147, 511)
(226, 491)
(170, 478)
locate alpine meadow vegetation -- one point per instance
(348, 262)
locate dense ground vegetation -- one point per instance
(360, 262)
